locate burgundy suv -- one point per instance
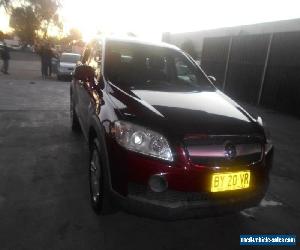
(163, 140)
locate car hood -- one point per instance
(67, 65)
(205, 112)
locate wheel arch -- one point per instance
(96, 131)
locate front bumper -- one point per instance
(66, 73)
(188, 194)
(173, 205)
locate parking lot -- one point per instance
(44, 202)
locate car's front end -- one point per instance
(194, 185)
(66, 65)
(189, 175)
(65, 69)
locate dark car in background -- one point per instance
(163, 140)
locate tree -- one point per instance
(32, 17)
(188, 47)
(1, 35)
(25, 23)
(46, 12)
(5, 3)
(75, 34)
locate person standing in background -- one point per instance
(5, 57)
(49, 56)
(43, 56)
(46, 60)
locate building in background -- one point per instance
(257, 64)
(197, 37)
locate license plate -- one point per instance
(230, 181)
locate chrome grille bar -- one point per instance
(219, 150)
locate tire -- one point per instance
(75, 125)
(98, 180)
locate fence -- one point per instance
(258, 69)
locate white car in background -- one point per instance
(66, 65)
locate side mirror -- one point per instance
(212, 78)
(84, 73)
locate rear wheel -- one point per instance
(99, 193)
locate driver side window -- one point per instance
(96, 61)
(184, 72)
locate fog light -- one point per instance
(158, 183)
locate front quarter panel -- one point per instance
(102, 115)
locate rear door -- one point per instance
(81, 88)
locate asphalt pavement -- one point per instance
(44, 201)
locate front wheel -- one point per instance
(99, 194)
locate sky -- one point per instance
(148, 19)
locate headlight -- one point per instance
(269, 144)
(142, 140)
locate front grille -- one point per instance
(213, 150)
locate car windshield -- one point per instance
(137, 66)
(70, 58)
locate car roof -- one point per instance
(135, 40)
